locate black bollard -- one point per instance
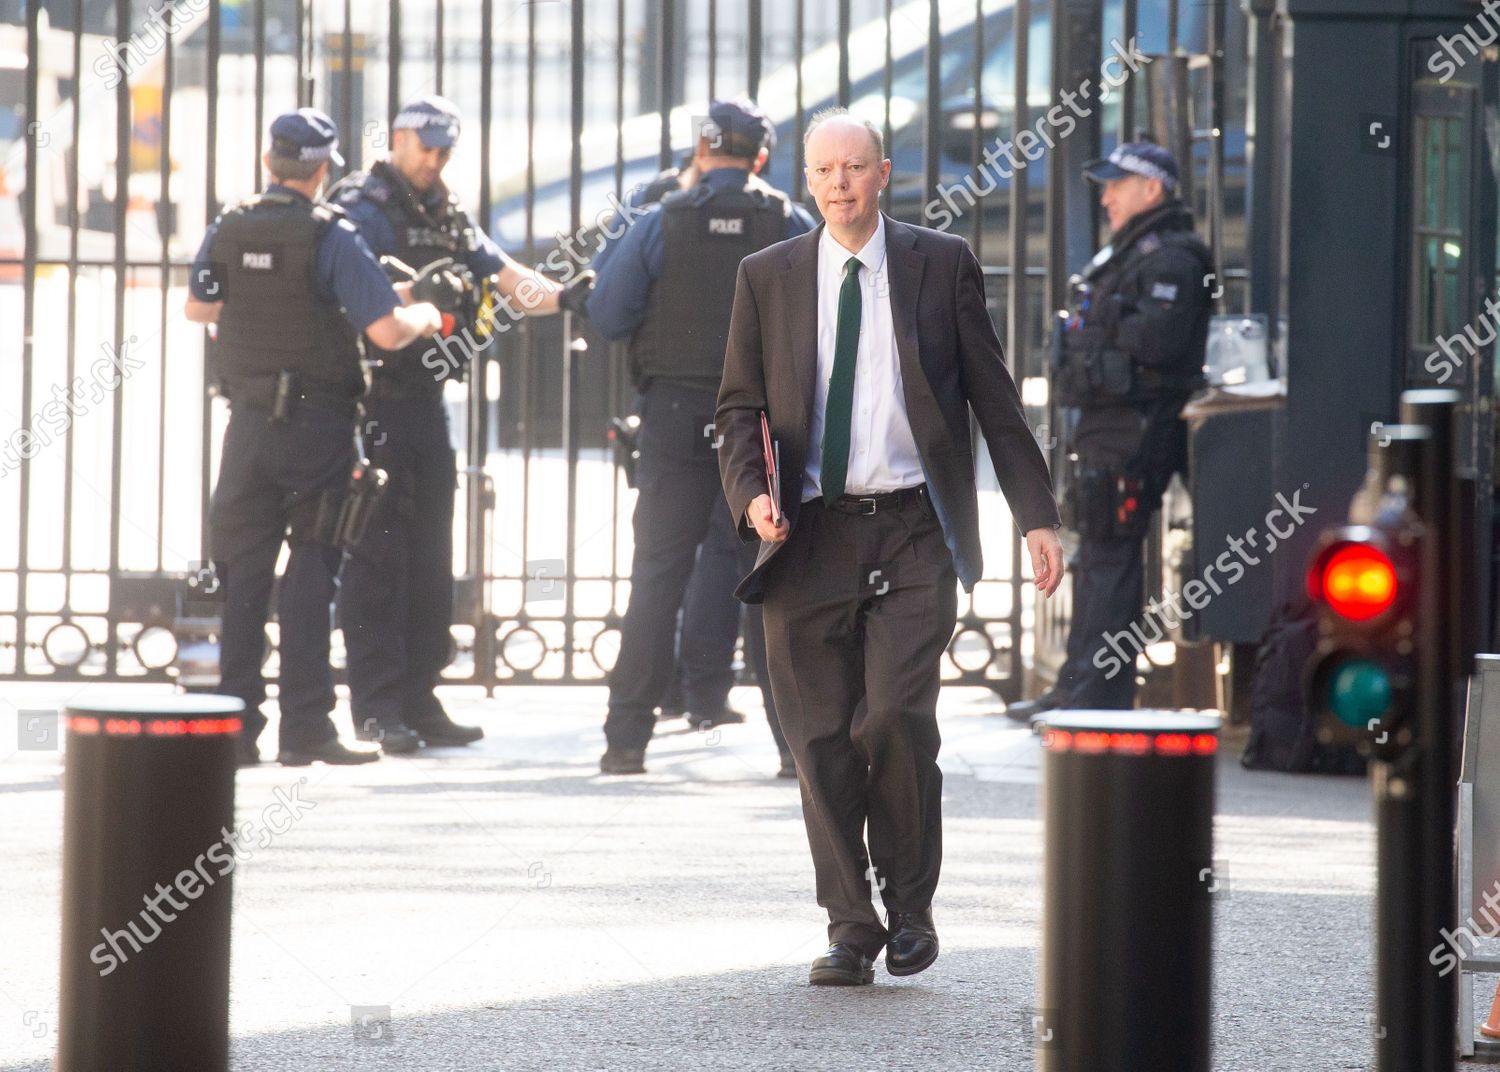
(148, 792)
(1126, 970)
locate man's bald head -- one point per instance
(839, 119)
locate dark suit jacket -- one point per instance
(950, 364)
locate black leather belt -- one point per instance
(872, 504)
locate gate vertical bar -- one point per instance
(260, 92)
(888, 77)
(437, 44)
(1015, 310)
(664, 52)
(28, 306)
(571, 356)
(755, 47)
(164, 277)
(210, 210)
(713, 48)
(932, 124)
(478, 534)
(799, 123)
(844, 20)
(393, 67)
(346, 104)
(71, 358)
(117, 430)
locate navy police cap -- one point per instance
(1143, 158)
(306, 134)
(434, 118)
(741, 124)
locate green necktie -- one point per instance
(839, 412)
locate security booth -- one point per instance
(1364, 266)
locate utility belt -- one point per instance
(339, 516)
(391, 389)
(280, 395)
(1105, 502)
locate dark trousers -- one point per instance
(680, 500)
(711, 621)
(858, 612)
(1108, 594)
(396, 607)
(271, 478)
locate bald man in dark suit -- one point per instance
(867, 344)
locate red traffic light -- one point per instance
(1356, 580)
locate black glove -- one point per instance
(575, 293)
(443, 283)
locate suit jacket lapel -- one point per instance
(802, 302)
(905, 266)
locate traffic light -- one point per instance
(1363, 581)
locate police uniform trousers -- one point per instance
(396, 603)
(272, 476)
(680, 505)
(712, 620)
(1108, 573)
(856, 662)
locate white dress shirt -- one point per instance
(882, 453)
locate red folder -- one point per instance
(772, 453)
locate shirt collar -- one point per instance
(872, 256)
(278, 188)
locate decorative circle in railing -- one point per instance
(607, 631)
(155, 647)
(971, 663)
(522, 631)
(66, 646)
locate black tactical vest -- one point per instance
(1089, 368)
(707, 233)
(273, 319)
(423, 235)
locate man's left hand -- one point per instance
(1046, 559)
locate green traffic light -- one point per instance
(1359, 692)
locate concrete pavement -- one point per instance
(506, 907)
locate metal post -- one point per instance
(1126, 967)
(148, 804)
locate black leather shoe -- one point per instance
(666, 712)
(331, 752)
(727, 717)
(788, 766)
(842, 965)
(1026, 710)
(443, 732)
(623, 761)
(913, 944)
(394, 740)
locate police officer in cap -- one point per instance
(1129, 353)
(711, 620)
(290, 285)
(396, 603)
(669, 288)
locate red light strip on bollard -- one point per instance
(153, 727)
(1098, 742)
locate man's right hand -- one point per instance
(758, 513)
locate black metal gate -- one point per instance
(134, 123)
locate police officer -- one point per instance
(290, 285)
(396, 604)
(1129, 354)
(711, 618)
(669, 287)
